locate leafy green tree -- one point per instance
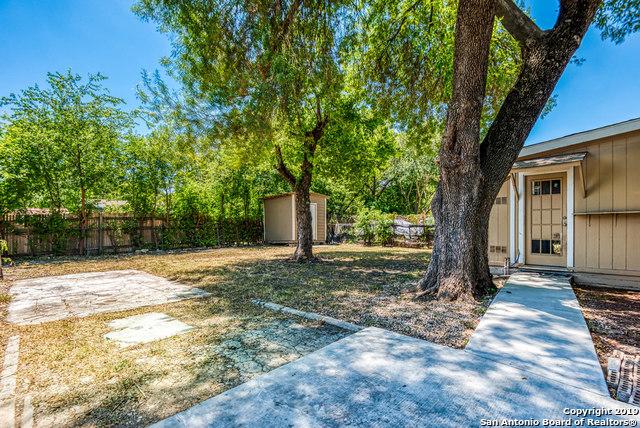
(66, 138)
(409, 182)
(358, 148)
(401, 58)
(30, 165)
(151, 167)
(272, 71)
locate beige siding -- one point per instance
(608, 243)
(499, 227)
(278, 220)
(321, 201)
(322, 216)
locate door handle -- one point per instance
(564, 220)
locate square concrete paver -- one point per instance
(145, 328)
(53, 298)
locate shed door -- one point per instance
(314, 220)
(546, 225)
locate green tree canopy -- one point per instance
(61, 144)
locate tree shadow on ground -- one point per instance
(368, 287)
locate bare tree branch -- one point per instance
(517, 23)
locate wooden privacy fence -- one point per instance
(32, 235)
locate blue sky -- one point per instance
(605, 89)
(103, 35)
(86, 36)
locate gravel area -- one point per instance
(613, 317)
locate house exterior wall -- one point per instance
(606, 226)
(499, 246)
(609, 243)
(278, 219)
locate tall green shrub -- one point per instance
(364, 225)
(383, 229)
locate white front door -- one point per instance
(314, 220)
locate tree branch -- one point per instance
(402, 21)
(541, 70)
(282, 168)
(517, 23)
(398, 29)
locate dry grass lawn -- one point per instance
(77, 378)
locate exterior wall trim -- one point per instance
(570, 219)
(521, 218)
(512, 221)
(264, 223)
(293, 217)
(582, 137)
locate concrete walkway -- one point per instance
(379, 378)
(531, 358)
(535, 323)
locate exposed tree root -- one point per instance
(305, 259)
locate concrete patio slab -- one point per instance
(145, 328)
(52, 298)
(535, 323)
(377, 378)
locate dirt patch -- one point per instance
(613, 317)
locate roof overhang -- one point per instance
(553, 164)
(571, 158)
(281, 195)
(581, 137)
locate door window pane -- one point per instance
(536, 188)
(546, 187)
(556, 246)
(555, 187)
(545, 246)
(535, 246)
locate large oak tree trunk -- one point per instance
(459, 266)
(472, 173)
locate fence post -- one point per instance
(100, 233)
(153, 232)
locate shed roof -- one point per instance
(582, 137)
(291, 193)
(551, 160)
